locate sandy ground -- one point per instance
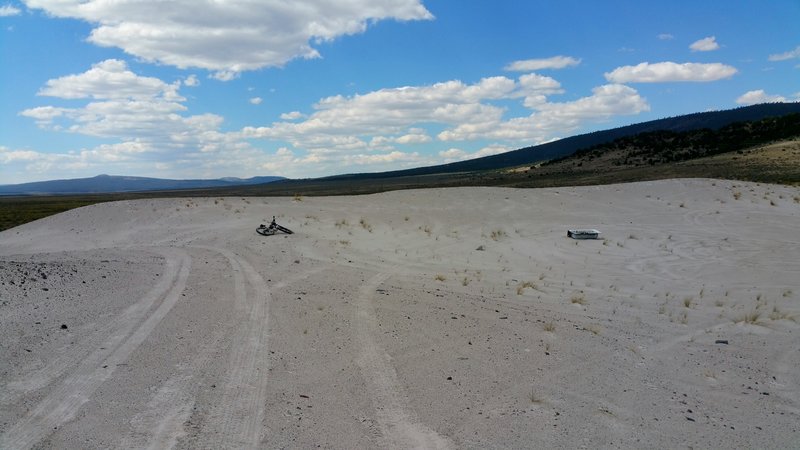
(452, 318)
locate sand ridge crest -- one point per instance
(439, 318)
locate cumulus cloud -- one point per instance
(84, 162)
(191, 81)
(226, 37)
(555, 62)
(705, 45)
(414, 136)
(380, 119)
(8, 155)
(557, 118)
(537, 87)
(256, 100)
(340, 120)
(606, 101)
(791, 54)
(109, 79)
(759, 96)
(44, 114)
(670, 71)
(372, 159)
(150, 121)
(9, 10)
(293, 115)
(456, 154)
(665, 37)
(121, 104)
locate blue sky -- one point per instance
(206, 89)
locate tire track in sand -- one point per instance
(107, 336)
(63, 403)
(162, 424)
(236, 421)
(398, 423)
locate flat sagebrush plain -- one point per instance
(443, 318)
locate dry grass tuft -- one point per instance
(777, 314)
(549, 326)
(534, 397)
(523, 285)
(440, 277)
(594, 329)
(578, 298)
(753, 317)
(365, 225)
(497, 234)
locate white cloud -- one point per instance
(380, 119)
(759, 96)
(555, 62)
(705, 45)
(606, 101)
(294, 115)
(8, 155)
(393, 157)
(791, 54)
(665, 37)
(44, 114)
(27, 164)
(535, 83)
(256, 100)
(340, 120)
(452, 155)
(120, 104)
(191, 81)
(153, 129)
(109, 79)
(456, 154)
(226, 37)
(554, 119)
(225, 75)
(537, 87)
(414, 136)
(670, 71)
(9, 10)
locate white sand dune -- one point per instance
(445, 318)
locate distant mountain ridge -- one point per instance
(712, 120)
(115, 184)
